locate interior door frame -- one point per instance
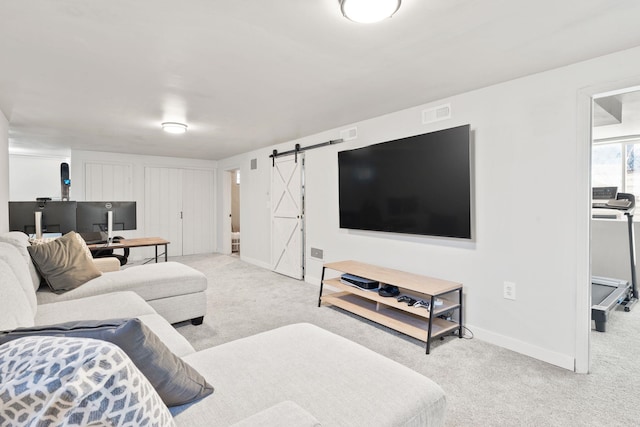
(584, 121)
(227, 176)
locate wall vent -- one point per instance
(349, 134)
(435, 114)
(254, 164)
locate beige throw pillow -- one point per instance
(85, 248)
(63, 263)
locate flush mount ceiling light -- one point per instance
(368, 11)
(174, 127)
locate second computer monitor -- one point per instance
(93, 216)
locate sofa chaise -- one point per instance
(296, 375)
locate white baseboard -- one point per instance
(312, 280)
(255, 262)
(562, 360)
(557, 359)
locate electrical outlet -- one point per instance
(510, 290)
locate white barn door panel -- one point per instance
(179, 207)
(286, 217)
(163, 206)
(107, 182)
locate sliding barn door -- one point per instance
(286, 217)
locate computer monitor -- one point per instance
(94, 217)
(56, 216)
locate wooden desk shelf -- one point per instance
(420, 323)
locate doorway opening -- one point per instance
(614, 165)
(235, 211)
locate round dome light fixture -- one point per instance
(174, 127)
(369, 11)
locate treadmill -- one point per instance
(607, 293)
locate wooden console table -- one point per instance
(418, 322)
(134, 243)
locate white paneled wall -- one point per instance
(108, 181)
(198, 223)
(163, 201)
(156, 184)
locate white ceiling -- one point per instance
(103, 74)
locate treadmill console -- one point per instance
(604, 193)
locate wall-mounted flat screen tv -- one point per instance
(415, 185)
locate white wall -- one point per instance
(33, 176)
(527, 141)
(4, 174)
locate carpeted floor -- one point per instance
(485, 385)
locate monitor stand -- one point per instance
(109, 227)
(38, 223)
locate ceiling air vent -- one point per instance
(435, 114)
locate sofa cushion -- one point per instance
(109, 306)
(14, 305)
(107, 264)
(74, 381)
(283, 414)
(21, 243)
(12, 257)
(176, 382)
(299, 363)
(63, 263)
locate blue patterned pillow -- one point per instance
(74, 381)
(175, 381)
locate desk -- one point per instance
(134, 243)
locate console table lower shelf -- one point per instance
(420, 323)
(408, 324)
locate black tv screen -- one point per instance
(415, 185)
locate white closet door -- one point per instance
(107, 182)
(198, 211)
(286, 217)
(163, 206)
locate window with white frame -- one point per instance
(617, 164)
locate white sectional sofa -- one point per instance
(297, 375)
(174, 290)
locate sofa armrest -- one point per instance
(107, 264)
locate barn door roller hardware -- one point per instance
(299, 149)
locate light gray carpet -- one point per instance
(485, 385)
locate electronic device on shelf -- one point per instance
(360, 282)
